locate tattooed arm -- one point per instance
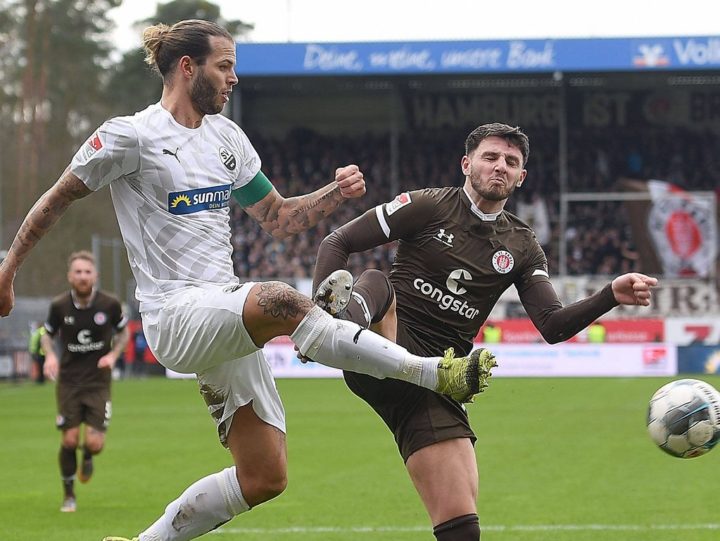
(283, 217)
(39, 220)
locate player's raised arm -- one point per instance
(558, 323)
(283, 217)
(39, 220)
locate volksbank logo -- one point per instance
(190, 201)
(688, 52)
(697, 51)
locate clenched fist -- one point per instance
(351, 181)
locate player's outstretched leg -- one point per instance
(455, 374)
(460, 378)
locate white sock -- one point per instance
(204, 506)
(346, 345)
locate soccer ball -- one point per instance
(684, 418)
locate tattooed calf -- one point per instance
(279, 300)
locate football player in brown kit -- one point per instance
(458, 251)
(90, 328)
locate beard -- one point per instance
(494, 192)
(205, 96)
(83, 290)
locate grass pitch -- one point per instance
(560, 460)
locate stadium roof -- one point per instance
(474, 57)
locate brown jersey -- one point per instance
(452, 262)
(452, 265)
(85, 335)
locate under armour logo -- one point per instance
(445, 238)
(171, 153)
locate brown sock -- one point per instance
(68, 463)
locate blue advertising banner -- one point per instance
(699, 359)
(511, 56)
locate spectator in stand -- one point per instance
(596, 158)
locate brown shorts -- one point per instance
(78, 405)
(416, 416)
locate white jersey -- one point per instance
(171, 187)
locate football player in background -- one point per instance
(91, 330)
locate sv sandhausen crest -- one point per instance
(228, 159)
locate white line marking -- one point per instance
(488, 528)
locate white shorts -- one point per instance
(200, 330)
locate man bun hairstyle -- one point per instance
(513, 135)
(164, 44)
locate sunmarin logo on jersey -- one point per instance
(228, 159)
(190, 201)
(445, 301)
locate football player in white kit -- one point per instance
(172, 169)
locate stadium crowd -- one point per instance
(598, 236)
